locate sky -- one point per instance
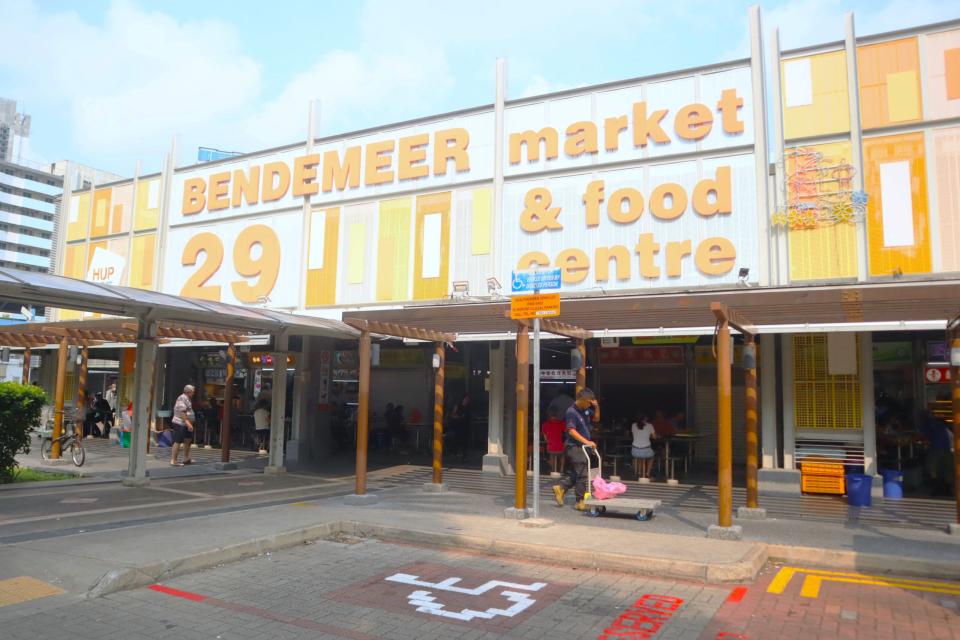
(109, 83)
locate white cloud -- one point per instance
(132, 81)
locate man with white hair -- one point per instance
(183, 417)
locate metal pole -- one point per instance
(582, 369)
(750, 382)
(58, 398)
(363, 417)
(25, 376)
(523, 372)
(81, 391)
(536, 417)
(438, 415)
(724, 431)
(227, 405)
(955, 396)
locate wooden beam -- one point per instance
(400, 331)
(557, 328)
(731, 316)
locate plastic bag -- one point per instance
(603, 490)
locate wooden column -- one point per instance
(25, 376)
(582, 370)
(438, 414)
(750, 382)
(81, 390)
(523, 392)
(363, 414)
(58, 397)
(227, 404)
(724, 430)
(955, 397)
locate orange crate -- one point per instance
(831, 469)
(822, 484)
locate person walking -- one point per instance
(578, 418)
(642, 450)
(183, 418)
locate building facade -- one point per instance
(633, 188)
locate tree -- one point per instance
(20, 408)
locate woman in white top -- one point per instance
(261, 422)
(643, 434)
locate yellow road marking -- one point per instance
(780, 581)
(25, 588)
(814, 579)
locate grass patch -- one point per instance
(23, 474)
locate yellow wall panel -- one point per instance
(902, 99)
(829, 109)
(140, 269)
(430, 288)
(393, 250)
(356, 258)
(74, 259)
(481, 226)
(828, 251)
(946, 152)
(884, 258)
(78, 215)
(102, 199)
(322, 283)
(147, 204)
(878, 65)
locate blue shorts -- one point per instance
(643, 454)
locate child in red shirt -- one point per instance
(553, 430)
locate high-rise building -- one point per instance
(14, 127)
(28, 205)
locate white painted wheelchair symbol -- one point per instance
(425, 602)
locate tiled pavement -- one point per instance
(364, 589)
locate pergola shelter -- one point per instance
(145, 318)
(755, 313)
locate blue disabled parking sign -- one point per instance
(535, 280)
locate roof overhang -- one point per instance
(189, 314)
(842, 307)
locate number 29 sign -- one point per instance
(251, 261)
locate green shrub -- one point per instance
(20, 407)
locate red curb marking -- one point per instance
(303, 623)
(724, 635)
(737, 594)
(186, 595)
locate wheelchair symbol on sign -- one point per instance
(519, 284)
(424, 601)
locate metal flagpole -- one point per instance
(536, 417)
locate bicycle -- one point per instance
(68, 440)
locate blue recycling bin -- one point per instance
(892, 484)
(858, 489)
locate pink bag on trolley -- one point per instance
(602, 490)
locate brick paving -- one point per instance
(366, 589)
(848, 609)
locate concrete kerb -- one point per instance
(872, 563)
(746, 568)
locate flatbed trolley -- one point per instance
(642, 507)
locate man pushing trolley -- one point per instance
(578, 419)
